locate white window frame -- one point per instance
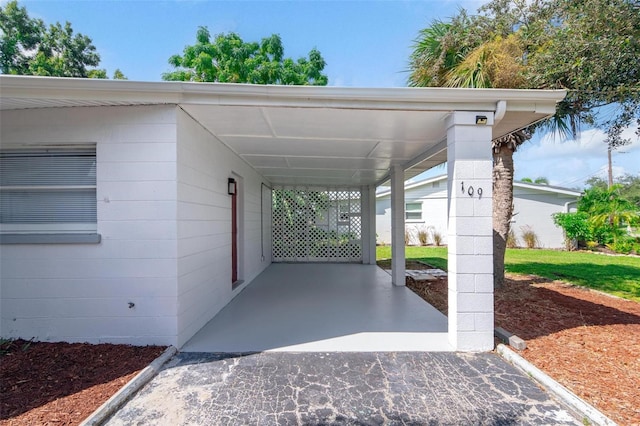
(412, 211)
(8, 231)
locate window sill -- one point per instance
(50, 238)
(413, 221)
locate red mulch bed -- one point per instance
(62, 383)
(586, 340)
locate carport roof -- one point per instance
(338, 136)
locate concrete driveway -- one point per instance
(341, 388)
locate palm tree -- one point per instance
(539, 180)
(503, 169)
(443, 57)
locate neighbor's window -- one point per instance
(48, 191)
(413, 211)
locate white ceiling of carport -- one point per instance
(322, 145)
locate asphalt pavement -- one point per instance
(348, 388)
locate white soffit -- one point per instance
(321, 145)
(302, 134)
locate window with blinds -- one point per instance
(48, 190)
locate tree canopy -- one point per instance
(29, 47)
(589, 47)
(629, 186)
(229, 59)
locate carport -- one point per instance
(349, 140)
(335, 145)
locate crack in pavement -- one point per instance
(405, 388)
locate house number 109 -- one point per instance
(471, 191)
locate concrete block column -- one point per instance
(470, 231)
(397, 226)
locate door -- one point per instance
(234, 237)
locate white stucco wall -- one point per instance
(532, 207)
(204, 225)
(81, 292)
(434, 213)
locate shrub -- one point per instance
(529, 237)
(622, 245)
(576, 228)
(625, 244)
(407, 237)
(512, 240)
(437, 237)
(423, 236)
(603, 234)
(592, 245)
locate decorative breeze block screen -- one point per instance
(316, 224)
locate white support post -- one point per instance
(364, 227)
(372, 224)
(470, 232)
(397, 226)
(368, 216)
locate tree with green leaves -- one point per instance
(629, 186)
(29, 47)
(604, 217)
(539, 180)
(229, 59)
(588, 47)
(118, 75)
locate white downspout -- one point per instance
(501, 109)
(567, 204)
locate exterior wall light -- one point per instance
(231, 189)
(481, 119)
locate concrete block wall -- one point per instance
(82, 292)
(470, 234)
(204, 165)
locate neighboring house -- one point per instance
(133, 212)
(426, 211)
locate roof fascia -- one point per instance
(399, 98)
(547, 188)
(414, 185)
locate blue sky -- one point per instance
(365, 44)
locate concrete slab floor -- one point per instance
(404, 388)
(323, 307)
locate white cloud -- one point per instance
(571, 162)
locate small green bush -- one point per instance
(625, 244)
(576, 227)
(622, 245)
(592, 245)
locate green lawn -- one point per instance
(617, 275)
